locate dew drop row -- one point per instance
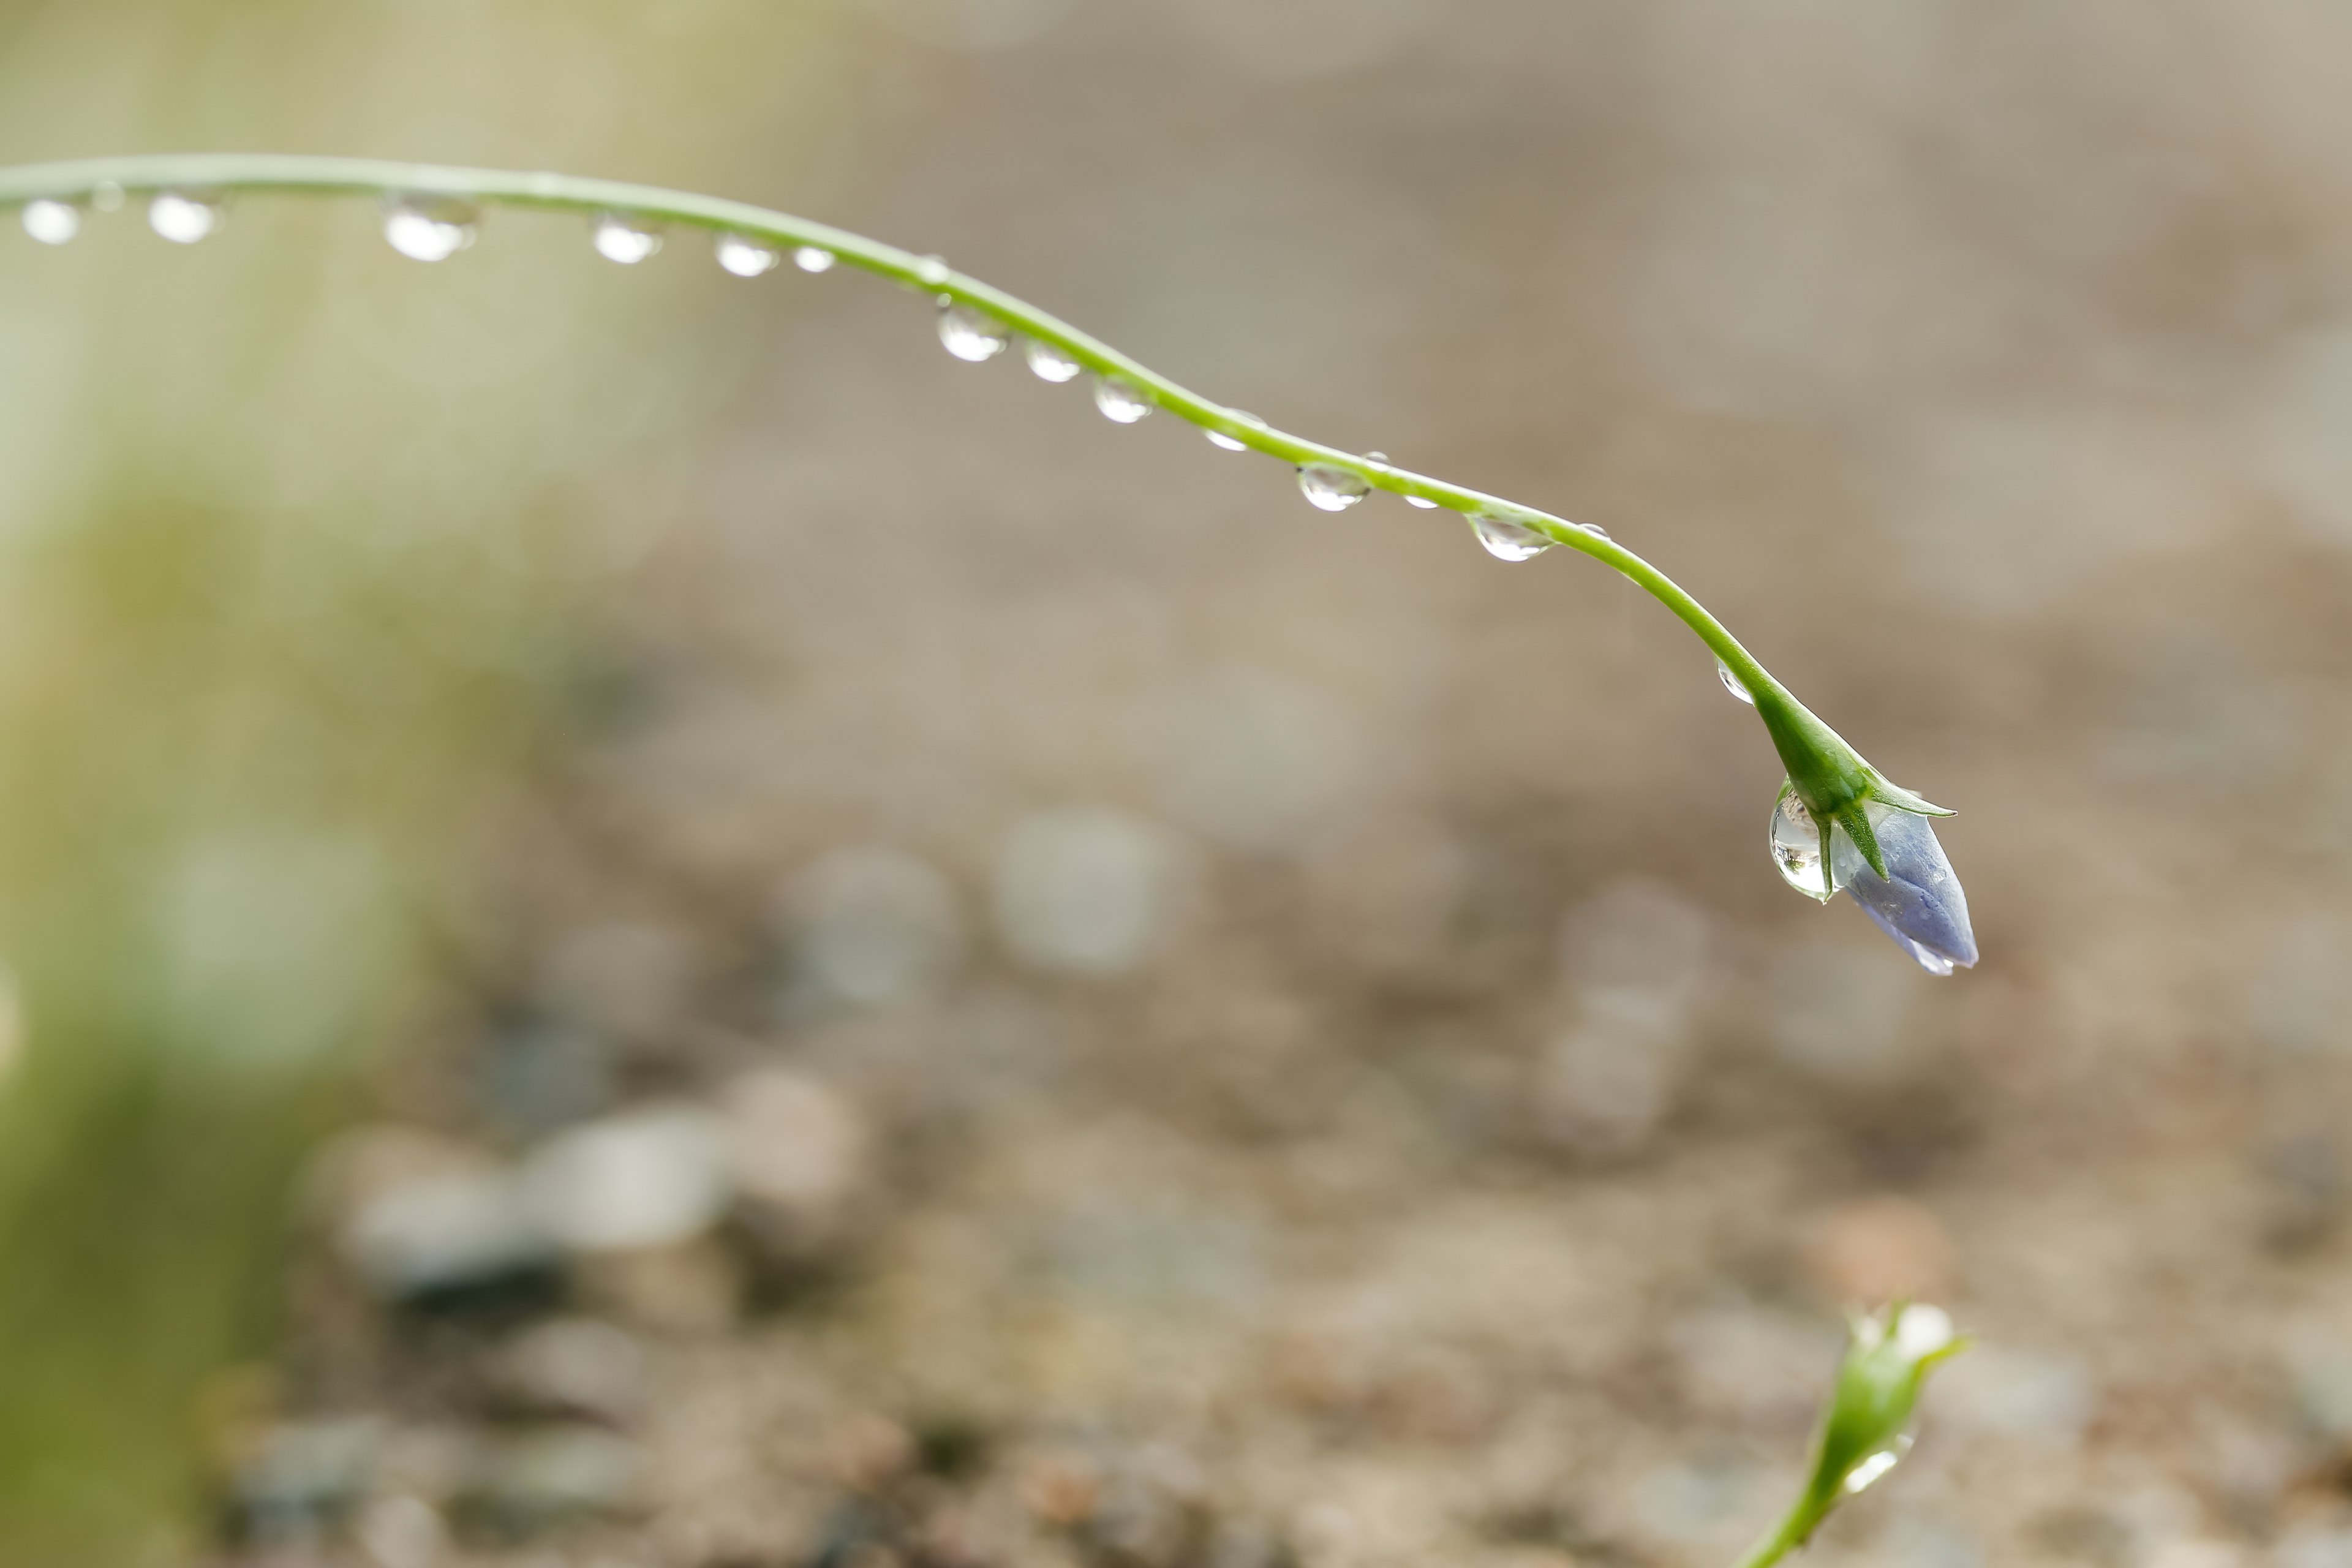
(434, 229)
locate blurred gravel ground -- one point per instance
(1057, 1007)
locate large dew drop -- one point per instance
(428, 231)
(1733, 684)
(182, 219)
(813, 258)
(1218, 438)
(52, 223)
(1331, 487)
(1121, 401)
(1506, 538)
(745, 257)
(1422, 501)
(1048, 363)
(624, 240)
(969, 333)
(1797, 847)
(933, 271)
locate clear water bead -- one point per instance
(1506, 538)
(106, 197)
(624, 240)
(932, 270)
(1331, 487)
(1593, 529)
(1218, 438)
(182, 219)
(428, 231)
(1422, 501)
(52, 223)
(1869, 1469)
(1121, 401)
(814, 258)
(1797, 847)
(969, 333)
(1733, 684)
(745, 257)
(1048, 363)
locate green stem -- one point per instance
(1789, 1535)
(227, 173)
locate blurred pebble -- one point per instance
(401, 1532)
(645, 1178)
(1139, 1521)
(302, 1473)
(800, 1154)
(573, 1367)
(1911, 1542)
(1245, 1544)
(1082, 891)
(630, 977)
(556, 1473)
(2310, 1546)
(1875, 1250)
(2318, 1367)
(1253, 762)
(447, 1232)
(872, 1451)
(690, 1286)
(536, 1074)
(1059, 1488)
(2196, 1552)
(871, 925)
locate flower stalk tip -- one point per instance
(1866, 1428)
(1872, 838)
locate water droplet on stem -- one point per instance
(182, 219)
(933, 271)
(1506, 538)
(1218, 438)
(51, 222)
(814, 258)
(971, 334)
(745, 257)
(1733, 684)
(1422, 501)
(1331, 487)
(624, 240)
(429, 230)
(1048, 363)
(1872, 1468)
(1121, 401)
(106, 197)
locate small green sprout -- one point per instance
(1867, 1428)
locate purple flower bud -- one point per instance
(1919, 902)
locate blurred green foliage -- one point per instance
(299, 543)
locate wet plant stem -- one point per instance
(210, 175)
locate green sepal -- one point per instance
(1856, 822)
(1902, 799)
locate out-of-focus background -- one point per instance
(647, 924)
